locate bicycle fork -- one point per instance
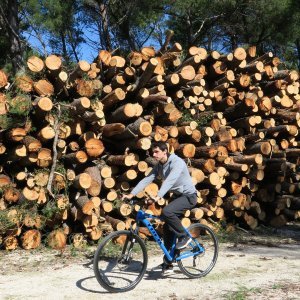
(127, 249)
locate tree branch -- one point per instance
(195, 36)
(51, 175)
(147, 38)
(37, 36)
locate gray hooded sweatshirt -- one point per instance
(175, 176)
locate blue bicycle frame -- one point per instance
(143, 217)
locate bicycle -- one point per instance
(120, 260)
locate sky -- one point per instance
(85, 52)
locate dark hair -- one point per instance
(161, 145)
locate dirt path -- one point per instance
(249, 271)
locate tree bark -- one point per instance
(12, 27)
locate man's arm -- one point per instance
(142, 184)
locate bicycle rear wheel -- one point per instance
(120, 261)
(205, 242)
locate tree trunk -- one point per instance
(57, 240)
(12, 27)
(31, 239)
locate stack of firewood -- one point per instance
(74, 139)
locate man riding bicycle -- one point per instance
(176, 179)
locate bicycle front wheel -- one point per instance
(120, 261)
(205, 248)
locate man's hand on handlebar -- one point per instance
(152, 199)
(129, 197)
(149, 200)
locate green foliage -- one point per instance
(202, 118)
(60, 168)
(242, 293)
(9, 121)
(65, 113)
(126, 25)
(73, 251)
(276, 286)
(20, 105)
(234, 237)
(6, 122)
(26, 208)
(227, 24)
(50, 210)
(63, 27)
(5, 222)
(186, 116)
(19, 109)
(191, 20)
(55, 24)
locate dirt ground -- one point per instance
(259, 265)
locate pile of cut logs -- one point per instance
(73, 139)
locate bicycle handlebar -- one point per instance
(134, 200)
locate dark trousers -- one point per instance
(171, 215)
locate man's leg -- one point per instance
(168, 235)
(172, 213)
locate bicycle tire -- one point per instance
(110, 266)
(195, 266)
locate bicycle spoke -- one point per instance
(119, 264)
(203, 252)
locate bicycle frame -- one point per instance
(143, 217)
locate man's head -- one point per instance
(160, 151)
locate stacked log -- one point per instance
(73, 141)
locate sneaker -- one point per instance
(164, 268)
(167, 269)
(183, 242)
